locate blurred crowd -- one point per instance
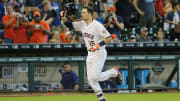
(40, 21)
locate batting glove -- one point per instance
(94, 48)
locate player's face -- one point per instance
(85, 14)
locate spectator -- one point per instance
(124, 9)
(30, 3)
(39, 29)
(2, 41)
(78, 11)
(159, 9)
(69, 78)
(167, 8)
(3, 12)
(64, 29)
(146, 10)
(20, 4)
(160, 36)
(38, 2)
(114, 23)
(108, 86)
(115, 39)
(65, 35)
(55, 38)
(97, 17)
(76, 38)
(100, 18)
(144, 34)
(96, 6)
(63, 2)
(69, 37)
(56, 23)
(76, 6)
(132, 38)
(9, 22)
(173, 18)
(20, 29)
(29, 13)
(47, 14)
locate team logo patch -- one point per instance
(104, 32)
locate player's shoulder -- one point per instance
(80, 21)
(97, 23)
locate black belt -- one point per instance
(93, 51)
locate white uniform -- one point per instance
(93, 34)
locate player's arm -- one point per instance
(67, 22)
(101, 44)
(107, 40)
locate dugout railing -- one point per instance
(125, 48)
(31, 54)
(81, 62)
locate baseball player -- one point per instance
(95, 37)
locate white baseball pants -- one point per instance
(94, 63)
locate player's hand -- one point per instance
(94, 48)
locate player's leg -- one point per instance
(95, 74)
(98, 66)
(93, 82)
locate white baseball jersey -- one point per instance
(92, 33)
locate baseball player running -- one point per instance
(95, 37)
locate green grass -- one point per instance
(110, 97)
